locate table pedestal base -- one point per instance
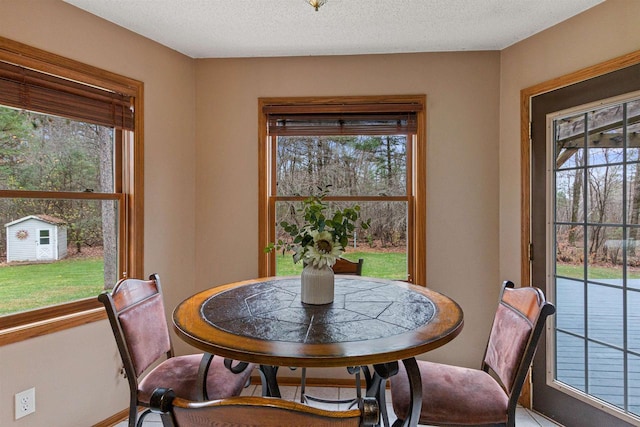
(269, 381)
(376, 387)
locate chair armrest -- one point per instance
(161, 400)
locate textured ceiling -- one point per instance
(257, 28)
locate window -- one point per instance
(371, 152)
(70, 189)
(44, 237)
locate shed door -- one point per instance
(44, 248)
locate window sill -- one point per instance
(48, 326)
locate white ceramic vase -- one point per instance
(317, 285)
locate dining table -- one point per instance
(371, 322)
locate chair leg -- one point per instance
(382, 401)
(142, 415)
(203, 374)
(269, 382)
(133, 414)
(355, 370)
(303, 381)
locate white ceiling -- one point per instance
(259, 28)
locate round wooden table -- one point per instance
(371, 322)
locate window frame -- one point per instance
(416, 173)
(129, 185)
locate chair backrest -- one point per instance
(136, 313)
(344, 266)
(257, 411)
(516, 330)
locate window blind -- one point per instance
(33, 90)
(339, 119)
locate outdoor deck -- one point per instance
(602, 355)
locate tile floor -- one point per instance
(524, 417)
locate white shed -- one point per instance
(36, 238)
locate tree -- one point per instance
(48, 153)
(352, 165)
(604, 184)
(576, 197)
(14, 130)
(104, 140)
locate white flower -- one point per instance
(298, 253)
(324, 250)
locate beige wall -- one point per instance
(462, 170)
(604, 32)
(201, 169)
(79, 367)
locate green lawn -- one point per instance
(393, 266)
(24, 287)
(577, 271)
(388, 265)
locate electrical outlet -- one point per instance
(25, 402)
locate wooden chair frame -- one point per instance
(344, 266)
(546, 310)
(257, 411)
(512, 380)
(115, 305)
(128, 299)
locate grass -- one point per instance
(25, 287)
(577, 271)
(387, 265)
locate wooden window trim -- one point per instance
(417, 209)
(22, 326)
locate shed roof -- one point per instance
(42, 217)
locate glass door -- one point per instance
(579, 185)
(593, 259)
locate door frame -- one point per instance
(527, 251)
(525, 147)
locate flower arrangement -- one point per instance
(322, 238)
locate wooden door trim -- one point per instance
(526, 95)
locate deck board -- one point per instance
(605, 324)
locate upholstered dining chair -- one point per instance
(453, 395)
(136, 312)
(257, 411)
(341, 266)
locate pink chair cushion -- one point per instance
(145, 330)
(451, 395)
(507, 343)
(181, 372)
